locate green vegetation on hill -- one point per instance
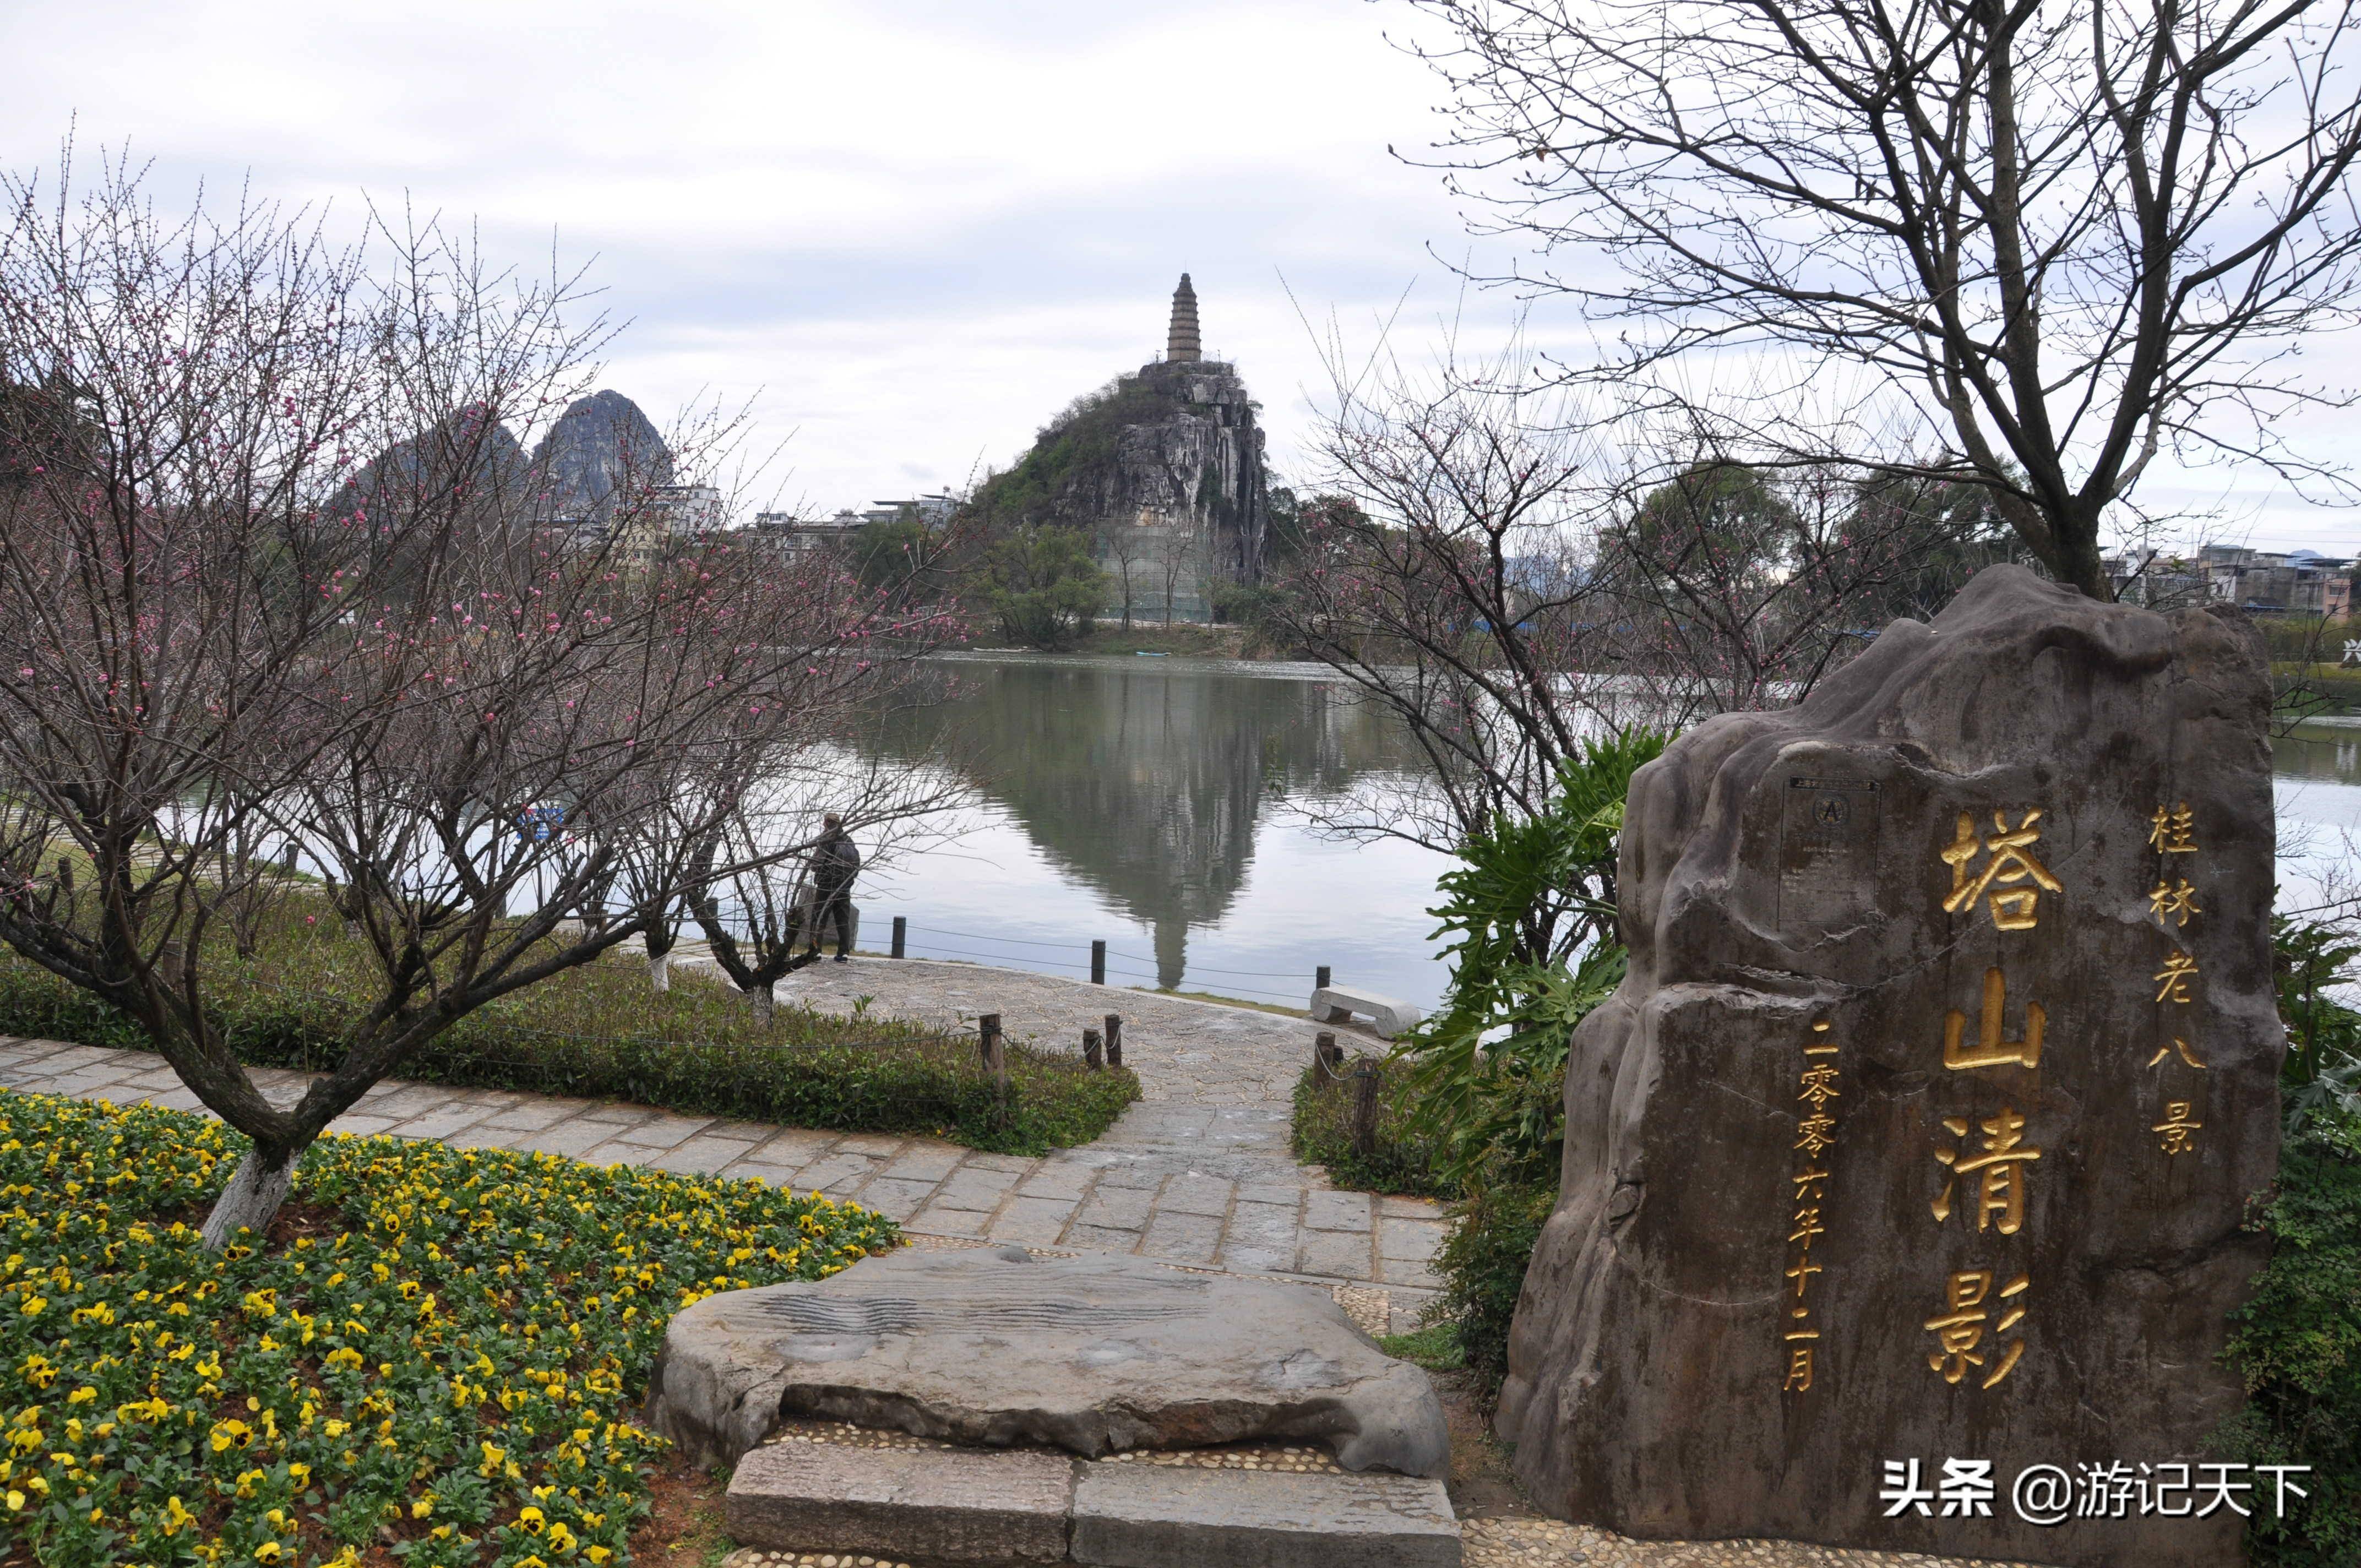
(1058, 481)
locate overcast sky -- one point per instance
(916, 228)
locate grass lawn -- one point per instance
(599, 1032)
(435, 1358)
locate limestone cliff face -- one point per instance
(1201, 464)
(600, 445)
(1174, 445)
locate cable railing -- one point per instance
(1092, 960)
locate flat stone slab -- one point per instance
(939, 1506)
(991, 1347)
(1154, 1515)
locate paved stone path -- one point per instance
(1198, 1172)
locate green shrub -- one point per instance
(1483, 1266)
(2298, 1344)
(1398, 1159)
(1435, 1347)
(697, 1047)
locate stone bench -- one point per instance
(1389, 1017)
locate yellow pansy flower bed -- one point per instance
(440, 1362)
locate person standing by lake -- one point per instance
(835, 862)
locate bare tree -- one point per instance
(1179, 547)
(222, 630)
(2026, 247)
(1498, 568)
(1124, 543)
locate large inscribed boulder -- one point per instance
(1914, 1150)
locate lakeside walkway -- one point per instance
(1197, 1172)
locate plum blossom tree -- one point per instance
(277, 600)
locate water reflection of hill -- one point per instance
(1144, 784)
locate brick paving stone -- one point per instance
(1410, 1207)
(574, 1138)
(442, 1121)
(897, 1200)
(1408, 1271)
(410, 1100)
(701, 1156)
(619, 1114)
(1141, 1176)
(1014, 1165)
(1272, 1192)
(885, 1146)
(1186, 1238)
(971, 1189)
(795, 1146)
(1416, 1240)
(1337, 1211)
(663, 1131)
(1055, 1178)
(1340, 1255)
(1124, 1208)
(1103, 1238)
(1031, 1221)
(824, 1174)
(925, 1161)
(362, 1126)
(1192, 1194)
(82, 1080)
(937, 1220)
(532, 1116)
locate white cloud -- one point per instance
(919, 227)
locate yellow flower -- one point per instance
(531, 1520)
(16, 1500)
(423, 1506)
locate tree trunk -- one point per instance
(659, 971)
(763, 999)
(253, 1196)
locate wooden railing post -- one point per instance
(1365, 1109)
(1114, 1039)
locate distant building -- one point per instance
(791, 535)
(934, 510)
(2298, 582)
(689, 511)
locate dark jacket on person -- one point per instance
(834, 862)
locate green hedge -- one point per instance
(697, 1047)
(2298, 1344)
(1396, 1160)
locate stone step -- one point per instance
(969, 1509)
(1155, 1516)
(957, 1507)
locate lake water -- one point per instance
(1160, 806)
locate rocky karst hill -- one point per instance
(602, 443)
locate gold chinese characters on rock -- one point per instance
(1989, 1169)
(1817, 1088)
(2172, 904)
